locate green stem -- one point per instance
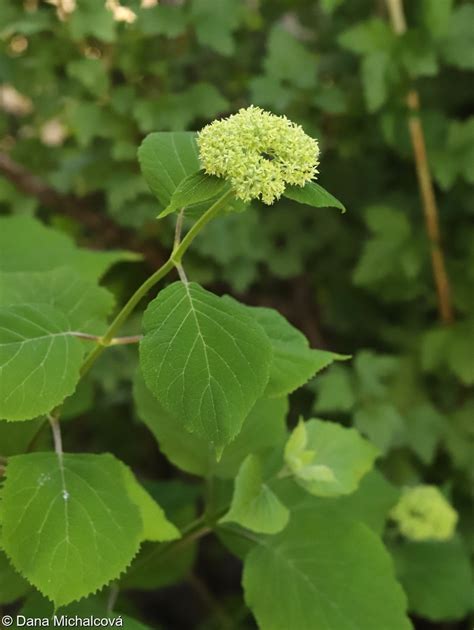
(193, 531)
(173, 260)
(123, 315)
(212, 212)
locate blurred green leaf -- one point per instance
(19, 237)
(382, 424)
(215, 23)
(335, 390)
(437, 578)
(374, 79)
(92, 19)
(91, 73)
(436, 15)
(457, 45)
(368, 37)
(287, 59)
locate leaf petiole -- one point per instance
(173, 261)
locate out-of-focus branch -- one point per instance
(104, 231)
(425, 181)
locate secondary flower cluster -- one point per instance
(423, 513)
(259, 153)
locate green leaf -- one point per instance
(20, 237)
(176, 111)
(159, 565)
(92, 19)
(185, 450)
(327, 459)
(458, 437)
(370, 503)
(335, 390)
(12, 585)
(96, 606)
(374, 79)
(457, 45)
(215, 23)
(322, 572)
(91, 73)
(15, 437)
(329, 6)
(289, 60)
(163, 20)
(374, 372)
(254, 505)
(39, 360)
(263, 428)
(382, 423)
(269, 91)
(69, 525)
(195, 189)
(85, 304)
(436, 577)
(417, 54)
(166, 159)
(453, 346)
(87, 121)
(436, 15)
(461, 351)
(156, 527)
(313, 194)
(424, 428)
(294, 362)
(204, 359)
(81, 401)
(383, 253)
(368, 36)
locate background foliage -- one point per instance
(79, 92)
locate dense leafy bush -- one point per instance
(344, 520)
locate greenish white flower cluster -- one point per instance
(259, 152)
(422, 513)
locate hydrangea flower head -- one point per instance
(422, 513)
(259, 152)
